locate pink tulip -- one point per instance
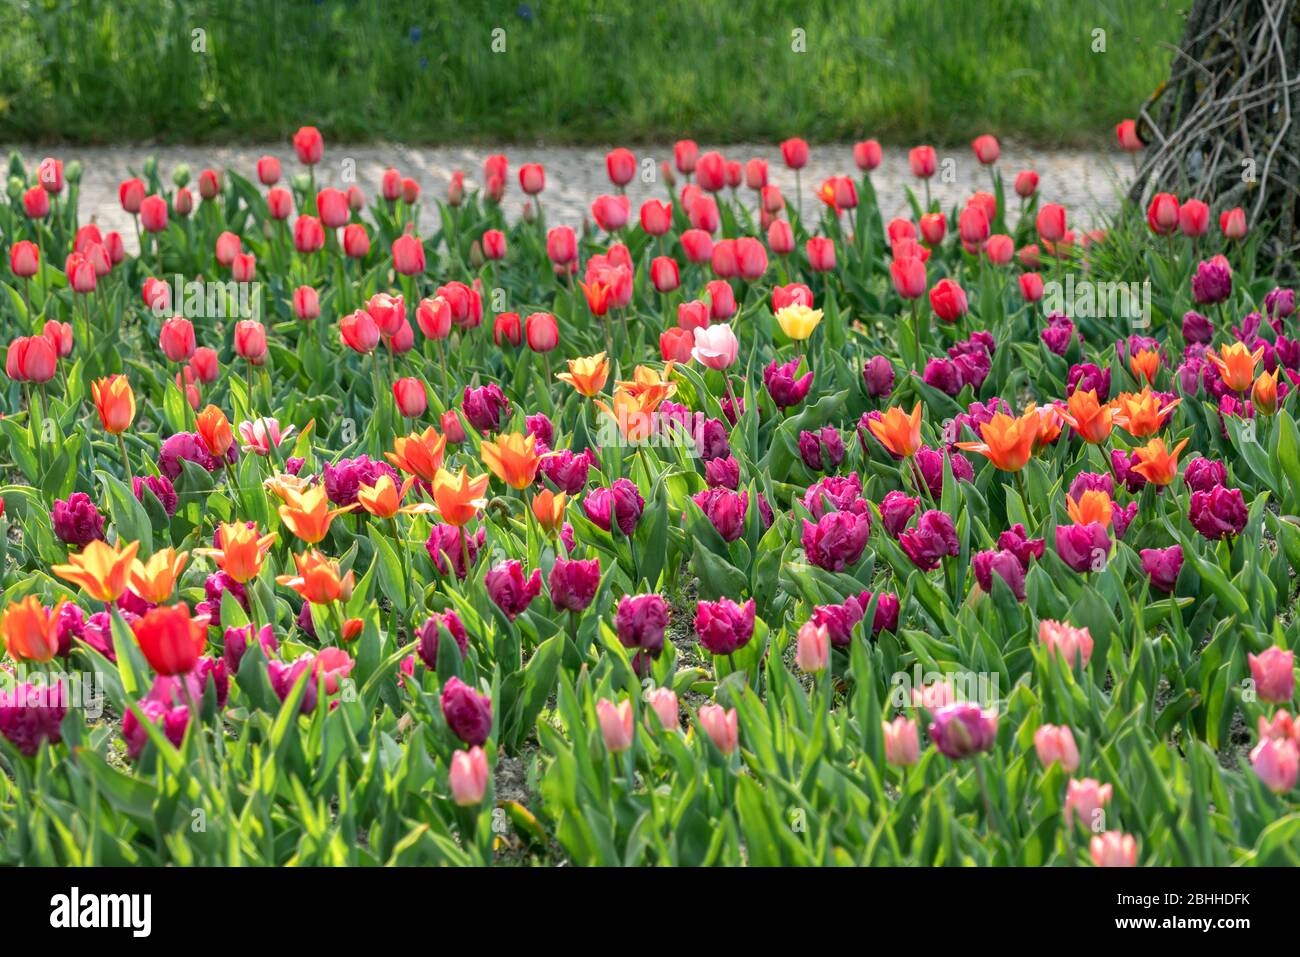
(716, 347)
(1086, 798)
(812, 648)
(1113, 849)
(1055, 744)
(469, 774)
(722, 726)
(1069, 643)
(1276, 763)
(902, 742)
(1274, 675)
(663, 702)
(615, 724)
(261, 435)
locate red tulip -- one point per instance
(1193, 218)
(204, 364)
(332, 207)
(794, 152)
(268, 170)
(153, 214)
(410, 193)
(412, 399)
(308, 234)
(250, 341)
(1031, 286)
(456, 189)
(1051, 222)
(507, 327)
(780, 237)
(309, 145)
(1162, 214)
(999, 248)
(184, 202)
(130, 193)
(722, 299)
(306, 303)
(24, 259)
(923, 161)
(279, 203)
(611, 212)
(209, 184)
(703, 214)
(80, 272)
(948, 300)
(756, 174)
(986, 149)
(1232, 223)
(157, 295)
(562, 245)
(908, 276)
(50, 175)
(59, 335)
(663, 274)
(176, 339)
(821, 253)
(698, 245)
(113, 243)
(541, 331)
(36, 203)
(711, 171)
(532, 178)
(933, 227)
(356, 241)
(31, 359)
(1126, 134)
(685, 154)
(494, 244)
(243, 268)
(433, 316)
(621, 165)
(656, 217)
(867, 155)
(359, 332)
(751, 258)
(390, 185)
(1026, 183)
(408, 255)
(675, 344)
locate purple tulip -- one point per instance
(342, 480)
(1121, 463)
(305, 622)
(621, 502)
(188, 446)
(640, 622)
(573, 583)
(468, 713)
(732, 408)
(944, 375)
(837, 541)
(31, 714)
(1057, 333)
(1212, 282)
(1279, 304)
(725, 510)
(712, 442)
(840, 493)
(933, 537)
(1084, 548)
(973, 367)
(896, 510)
(449, 547)
(838, 620)
(1091, 482)
(566, 471)
(724, 626)
(77, 521)
(284, 676)
(71, 624)
(1006, 565)
(960, 730)
(162, 488)
(786, 390)
(509, 589)
(172, 719)
(1197, 328)
(878, 377)
(486, 407)
(1162, 566)
(722, 473)
(1087, 377)
(216, 585)
(930, 464)
(539, 425)
(1121, 517)
(235, 643)
(1218, 512)
(887, 610)
(1203, 474)
(431, 631)
(822, 450)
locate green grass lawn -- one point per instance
(577, 71)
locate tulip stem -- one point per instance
(991, 816)
(126, 460)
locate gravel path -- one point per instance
(1085, 181)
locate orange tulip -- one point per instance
(1093, 505)
(632, 413)
(384, 498)
(241, 553)
(31, 633)
(419, 453)
(102, 570)
(598, 296)
(1156, 463)
(214, 430)
(548, 508)
(308, 514)
(512, 458)
(1008, 443)
(155, 579)
(115, 403)
(897, 431)
(649, 386)
(587, 374)
(1140, 414)
(282, 485)
(1236, 364)
(1264, 395)
(1145, 364)
(459, 497)
(1092, 420)
(318, 579)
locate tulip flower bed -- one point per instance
(742, 528)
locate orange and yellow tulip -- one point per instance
(587, 374)
(214, 429)
(898, 431)
(155, 580)
(1093, 505)
(384, 498)
(1008, 443)
(1236, 365)
(512, 458)
(1141, 414)
(308, 514)
(31, 633)
(649, 386)
(1156, 463)
(1264, 394)
(548, 508)
(242, 551)
(115, 403)
(633, 413)
(1145, 365)
(318, 579)
(459, 498)
(102, 570)
(419, 454)
(1092, 420)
